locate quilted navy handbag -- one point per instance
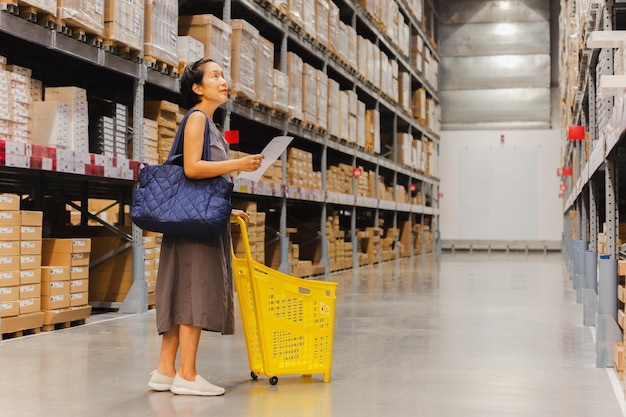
(167, 201)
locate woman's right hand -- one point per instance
(251, 162)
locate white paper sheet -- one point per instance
(271, 152)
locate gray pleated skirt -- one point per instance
(195, 284)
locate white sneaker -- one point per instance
(160, 382)
(200, 386)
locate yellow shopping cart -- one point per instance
(288, 322)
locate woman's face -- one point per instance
(214, 86)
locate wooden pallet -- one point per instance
(159, 65)
(20, 333)
(62, 325)
(122, 50)
(79, 33)
(9, 6)
(36, 15)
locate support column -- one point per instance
(590, 295)
(608, 331)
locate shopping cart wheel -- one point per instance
(274, 380)
(253, 375)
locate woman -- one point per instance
(194, 289)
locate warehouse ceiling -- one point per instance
(495, 63)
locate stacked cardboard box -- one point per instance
(20, 258)
(295, 73)
(152, 253)
(300, 170)
(417, 53)
(111, 280)
(373, 247)
(372, 131)
(339, 178)
(76, 100)
(256, 232)
(361, 123)
(161, 31)
(15, 104)
(150, 145)
(308, 17)
(295, 10)
(65, 273)
(214, 34)
(344, 115)
(273, 173)
(387, 243)
(309, 92)
(123, 22)
(333, 108)
(280, 92)
(322, 16)
(264, 72)
(322, 100)
(244, 47)
(87, 16)
(165, 114)
(333, 28)
(339, 251)
(404, 91)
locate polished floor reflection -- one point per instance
(472, 335)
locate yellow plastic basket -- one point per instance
(288, 322)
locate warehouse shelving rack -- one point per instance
(26, 43)
(595, 193)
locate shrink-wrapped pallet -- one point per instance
(344, 115)
(308, 16)
(294, 72)
(296, 8)
(161, 31)
(404, 91)
(189, 49)
(362, 45)
(264, 75)
(333, 28)
(352, 35)
(322, 100)
(342, 46)
(280, 99)
(360, 124)
(47, 6)
(123, 22)
(244, 45)
(333, 107)
(214, 34)
(85, 15)
(322, 15)
(309, 94)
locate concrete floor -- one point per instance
(472, 335)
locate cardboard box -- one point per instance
(55, 273)
(54, 302)
(621, 268)
(9, 308)
(30, 291)
(55, 288)
(79, 272)
(9, 263)
(9, 202)
(75, 245)
(64, 259)
(28, 306)
(9, 279)
(79, 285)
(79, 299)
(30, 232)
(31, 218)
(30, 276)
(30, 262)
(29, 247)
(9, 247)
(10, 218)
(10, 293)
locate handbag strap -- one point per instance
(176, 153)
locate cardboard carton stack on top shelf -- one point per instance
(161, 33)
(214, 33)
(264, 72)
(123, 25)
(189, 50)
(81, 16)
(244, 46)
